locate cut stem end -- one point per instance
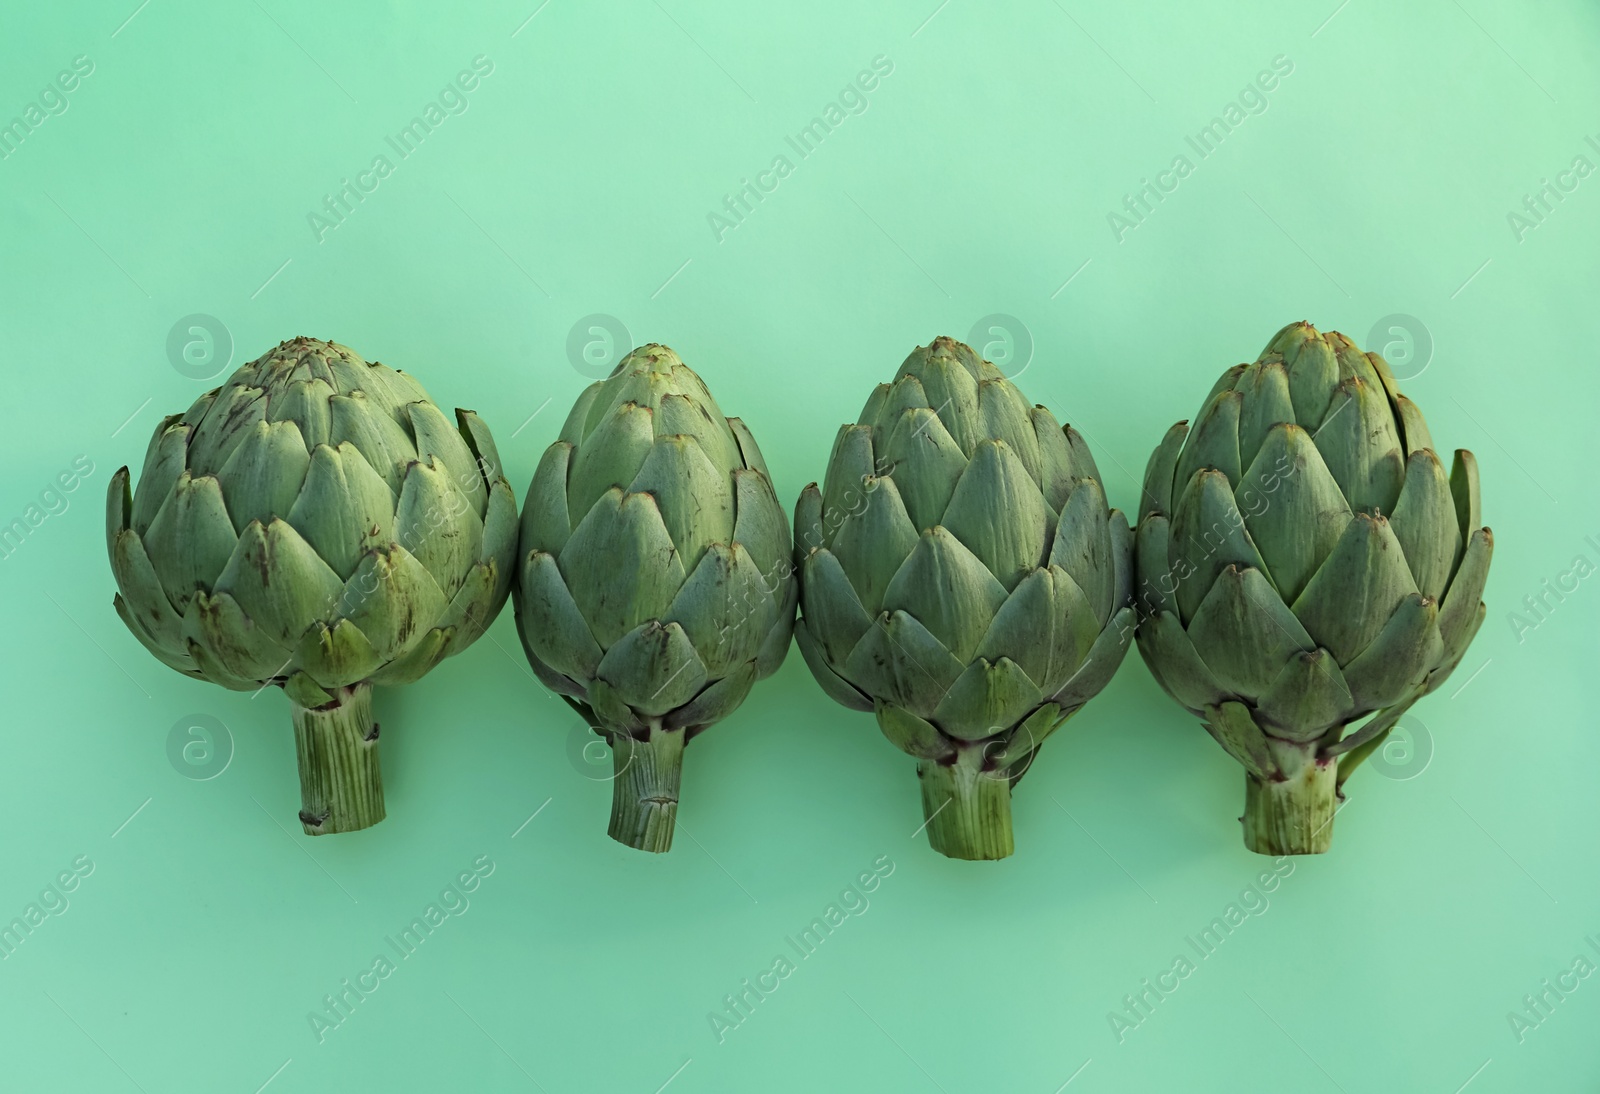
(1293, 816)
(644, 794)
(341, 788)
(968, 810)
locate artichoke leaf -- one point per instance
(832, 610)
(680, 414)
(925, 463)
(775, 646)
(1350, 599)
(190, 539)
(280, 581)
(263, 476)
(375, 432)
(749, 451)
(1180, 669)
(1361, 446)
(344, 509)
(1245, 632)
(1309, 696)
(760, 525)
(1424, 524)
(1004, 416)
(897, 660)
(175, 656)
(1313, 371)
(305, 402)
(1157, 581)
(724, 608)
(1208, 535)
(989, 697)
(837, 687)
(546, 520)
(1024, 628)
(653, 668)
(952, 391)
(484, 451)
(1464, 489)
(169, 453)
(912, 735)
(439, 437)
(1397, 661)
(435, 522)
(552, 625)
(621, 565)
(1099, 665)
(336, 656)
(1293, 509)
(875, 541)
(609, 458)
(1233, 728)
(1413, 428)
(715, 702)
(1264, 387)
(850, 467)
(1214, 443)
(231, 639)
(393, 599)
(999, 515)
(947, 589)
(1160, 474)
(416, 663)
(1464, 598)
(1083, 547)
(145, 599)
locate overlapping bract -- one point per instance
(655, 586)
(1304, 560)
(961, 572)
(314, 522)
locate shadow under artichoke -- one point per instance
(315, 524)
(1305, 562)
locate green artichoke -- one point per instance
(1304, 562)
(315, 523)
(655, 585)
(962, 576)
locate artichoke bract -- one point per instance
(315, 523)
(654, 587)
(962, 576)
(1305, 562)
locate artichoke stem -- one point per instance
(1293, 816)
(341, 789)
(968, 809)
(644, 793)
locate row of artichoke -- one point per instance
(1302, 563)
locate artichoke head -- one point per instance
(315, 522)
(963, 577)
(655, 586)
(1304, 561)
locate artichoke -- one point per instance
(1304, 562)
(315, 523)
(655, 586)
(962, 576)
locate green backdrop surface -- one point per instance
(1420, 179)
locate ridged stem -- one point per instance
(1293, 816)
(968, 809)
(341, 788)
(644, 794)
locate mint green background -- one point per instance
(1377, 182)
